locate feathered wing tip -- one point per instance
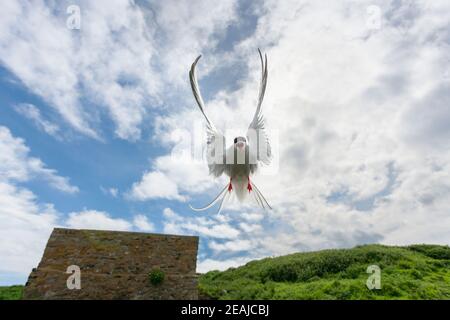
(260, 199)
(222, 197)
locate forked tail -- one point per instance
(220, 197)
(224, 195)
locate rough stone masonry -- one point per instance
(115, 265)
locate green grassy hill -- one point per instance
(413, 272)
(11, 293)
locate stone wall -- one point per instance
(115, 265)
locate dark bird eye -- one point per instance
(235, 140)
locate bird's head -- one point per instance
(240, 143)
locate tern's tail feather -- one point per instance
(224, 195)
(260, 199)
(221, 196)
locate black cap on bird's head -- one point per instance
(240, 142)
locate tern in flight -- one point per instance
(241, 159)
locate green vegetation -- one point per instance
(11, 293)
(156, 277)
(413, 272)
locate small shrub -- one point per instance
(283, 272)
(156, 277)
(354, 271)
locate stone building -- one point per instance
(115, 265)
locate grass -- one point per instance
(11, 293)
(413, 272)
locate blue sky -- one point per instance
(92, 120)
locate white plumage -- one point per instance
(241, 159)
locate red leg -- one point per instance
(230, 186)
(249, 185)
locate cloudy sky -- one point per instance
(97, 123)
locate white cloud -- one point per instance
(142, 224)
(32, 113)
(252, 216)
(97, 220)
(25, 228)
(17, 165)
(117, 65)
(41, 59)
(206, 227)
(231, 246)
(170, 214)
(155, 185)
(188, 31)
(249, 227)
(100, 220)
(171, 176)
(114, 192)
(26, 223)
(212, 264)
(222, 231)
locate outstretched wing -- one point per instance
(257, 137)
(215, 147)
